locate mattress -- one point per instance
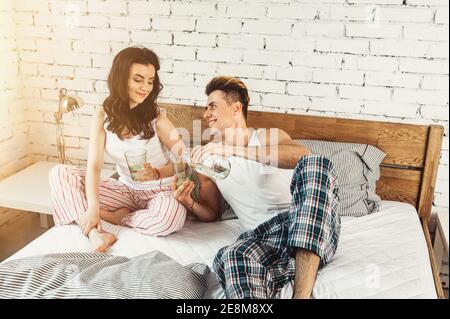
(382, 255)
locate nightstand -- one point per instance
(29, 190)
(441, 238)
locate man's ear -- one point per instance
(237, 107)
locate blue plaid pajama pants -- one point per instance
(262, 260)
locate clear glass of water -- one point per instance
(179, 167)
(179, 171)
(136, 158)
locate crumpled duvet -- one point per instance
(101, 275)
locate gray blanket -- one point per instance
(101, 275)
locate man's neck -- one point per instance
(238, 136)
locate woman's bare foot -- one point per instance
(102, 240)
(114, 217)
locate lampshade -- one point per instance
(69, 103)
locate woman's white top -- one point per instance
(256, 191)
(157, 156)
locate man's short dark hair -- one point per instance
(233, 88)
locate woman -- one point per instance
(130, 118)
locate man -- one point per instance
(294, 211)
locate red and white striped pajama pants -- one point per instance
(154, 211)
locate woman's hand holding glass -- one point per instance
(149, 173)
(140, 170)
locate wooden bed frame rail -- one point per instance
(408, 172)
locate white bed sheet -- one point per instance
(383, 255)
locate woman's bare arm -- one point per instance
(96, 151)
(169, 135)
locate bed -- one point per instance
(383, 255)
(387, 254)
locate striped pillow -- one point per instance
(226, 211)
(358, 169)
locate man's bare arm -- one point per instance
(277, 149)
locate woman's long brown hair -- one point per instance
(136, 121)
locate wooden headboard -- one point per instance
(408, 173)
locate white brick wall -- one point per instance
(13, 121)
(368, 59)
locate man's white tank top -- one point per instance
(157, 156)
(255, 191)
